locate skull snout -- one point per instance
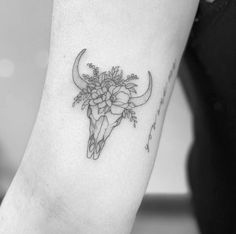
(100, 129)
(96, 140)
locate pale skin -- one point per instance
(57, 189)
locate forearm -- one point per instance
(74, 178)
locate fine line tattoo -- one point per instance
(108, 97)
(161, 103)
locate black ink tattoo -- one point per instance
(161, 103)
(109, 98)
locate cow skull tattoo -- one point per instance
(109, 98)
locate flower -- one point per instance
(113, 98)
(117, 99)
(98, 97)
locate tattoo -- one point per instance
(161, 103)
(108, 97)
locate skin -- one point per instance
(57, 189)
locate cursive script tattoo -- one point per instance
(161, 103)
(108, 97)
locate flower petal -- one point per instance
(104, 89)
(94, 95)
(116, 89)
(98, 100)
(116, 110)
(125, 105)
(112, 88)
(120, 104)
(106, 109)
(125, 90)
(91, 103)
(109, 102)
(102, 104)
(104, 97)
(99, 91)
(122, 97)
(108, 95)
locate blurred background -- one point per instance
(24, 45)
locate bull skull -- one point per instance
(108, 98)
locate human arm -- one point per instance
(57, 188)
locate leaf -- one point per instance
(119, 120)
(102, 77)
(147, 147)
(128, 114)
(86, 102)
(89, 111)
(73, 104)
(85, 96)
(78, 98)
(115, 74)
(124, 114)
(86, 77)
(133, 90)
(92, 86)
(131, 85)
(131, 77)
(131, 105)
(120, 75)
(84, 91)
(115, 70)
(89, 89)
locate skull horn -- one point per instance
(140, 100)
(78, 80)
